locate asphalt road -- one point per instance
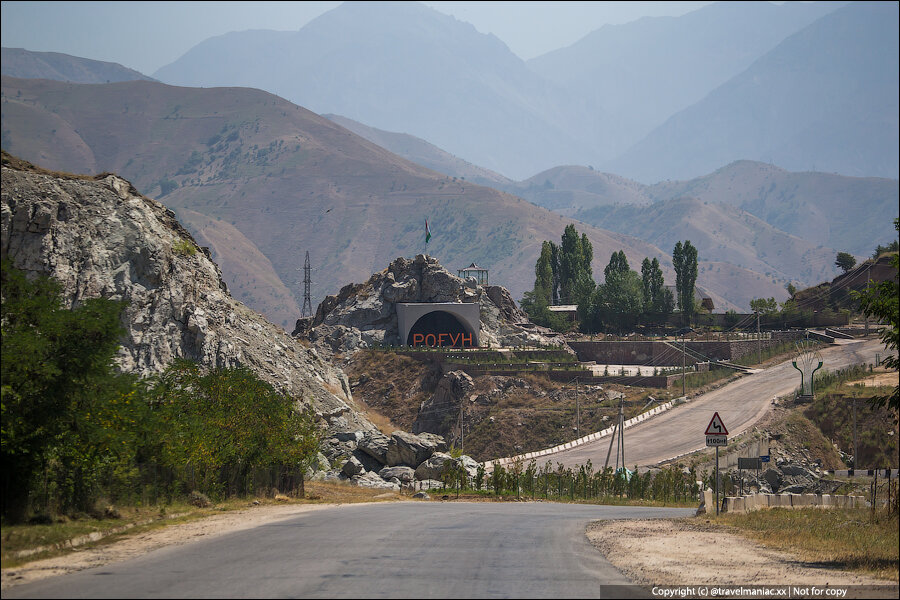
(396, 550)
(740, 404)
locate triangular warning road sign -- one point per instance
(716, 426)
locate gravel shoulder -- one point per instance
(688, 552)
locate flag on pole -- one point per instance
(427, 232)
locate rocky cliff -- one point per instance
(101, 238)
(364, 315)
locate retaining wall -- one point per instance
(744, 504)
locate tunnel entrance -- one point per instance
(440, 329)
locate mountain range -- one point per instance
(803, 85)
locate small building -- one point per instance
(569, 310)
(473, 270)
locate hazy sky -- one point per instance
(149, 35)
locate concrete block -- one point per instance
(825, 500)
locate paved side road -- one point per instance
(396, 550)
(740, 404)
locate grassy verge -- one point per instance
(20, 544)
(844, 539)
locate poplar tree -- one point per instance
(684, 259)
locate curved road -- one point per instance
(396, 550)
(740, 404)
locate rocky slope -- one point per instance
(365, 315)
(101, 238)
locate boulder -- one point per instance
(797, 471)
(349, 436)
(470, 465)
(375, 444)
(432, 468)
(408, 449)
(368, 463)
(440, 445)
(372, 480)
(402, 474)
(352, 467)
(773, 477)
(421, 496)
(793, 489)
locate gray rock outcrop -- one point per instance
(100, 238)
(364, 315)
(453, 389)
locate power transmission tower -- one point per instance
(307, 303)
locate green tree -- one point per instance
(536, 303)
(684, 259)
(764, 306)
(845, 261)
(618, 304)
(882, 301)
(229, 417)
(576, 282)
(56, 364)
(658, 300)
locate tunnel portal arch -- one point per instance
(441, 325)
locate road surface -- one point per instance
(392, 550)
(740, 404)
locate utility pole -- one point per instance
(758, 341)
(577, 412)
(683, 335)
(855, 439)
(868, 283)
(462, 430)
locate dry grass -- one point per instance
(841, 539)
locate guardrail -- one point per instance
(585, 439)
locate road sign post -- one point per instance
(716, 435)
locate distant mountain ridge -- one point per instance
(401, 67)
(407, 68)
(644, 71)
(18, 62)
(825, 99)
(422, 153)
